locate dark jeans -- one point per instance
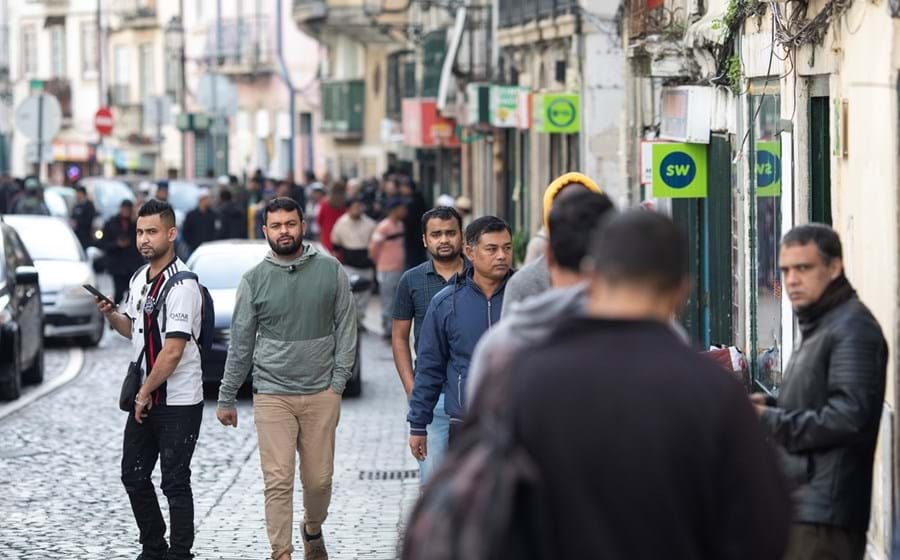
(822, 542)
(170, 434)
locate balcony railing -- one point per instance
(310, 10)
(520, 12)
(656, 17)
(120, 95)
(140, 14)
(343, 106)
(247, 46)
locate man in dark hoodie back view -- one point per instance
(643, 448)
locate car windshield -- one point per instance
(223, 270)
(47, 239)
(183, 195)
(108, 196)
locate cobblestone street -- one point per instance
(62, 497)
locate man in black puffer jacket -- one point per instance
(828, 410)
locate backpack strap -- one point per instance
(136, 272)
(164, 293)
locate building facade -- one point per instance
(52, 48)
(791, 116)
(234, 67)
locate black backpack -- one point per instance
(207, 314)
(484, 502)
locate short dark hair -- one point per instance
(827, 241)
(282, 203)
(155, 207)
(485, 224)
(440, 213)
(570, 218)
(640, 247)
(225, 195)
(80, 189)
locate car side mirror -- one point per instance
(26, 276)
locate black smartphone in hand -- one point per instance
(98, 294)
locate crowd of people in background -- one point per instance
(371, 225)
(508, 370)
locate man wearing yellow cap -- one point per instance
(534, 278)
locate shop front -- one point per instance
(437, 148)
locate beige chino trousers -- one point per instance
(288, 425)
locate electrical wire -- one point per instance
(762, 100)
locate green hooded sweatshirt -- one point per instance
(294, 325)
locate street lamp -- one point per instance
(173, 35)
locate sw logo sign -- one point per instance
(768, 169)
(679, 170)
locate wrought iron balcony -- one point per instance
(665, 18)
(247, 46)
(310, 10)
(520, 12)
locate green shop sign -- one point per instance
(679, 171)
(768, 169)
(557, 113)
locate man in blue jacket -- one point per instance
(456, 319)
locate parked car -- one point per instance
(69, 310)
(21, 317)
(183, 196)
(220, 265)
(107, 195)
(60, 200)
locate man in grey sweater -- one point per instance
(294, 324)
(530, 321)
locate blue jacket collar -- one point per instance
(468, 279)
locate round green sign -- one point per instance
(561, 113)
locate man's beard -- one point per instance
(285, 249)
(447, 257)
(154, 253)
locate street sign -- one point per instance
(679, 171)
(217, 94)
(557, 112)
(33, 156)
(157, 110)
(41, 108)
(768, 169)
(103, 121)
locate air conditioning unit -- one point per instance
(685, 114)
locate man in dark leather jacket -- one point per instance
(827, 413)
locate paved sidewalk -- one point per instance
(62, 497)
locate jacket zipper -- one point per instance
(490, 324)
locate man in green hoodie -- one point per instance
(294, 324)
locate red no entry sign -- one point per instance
(103, 121)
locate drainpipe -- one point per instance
(286, 77)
